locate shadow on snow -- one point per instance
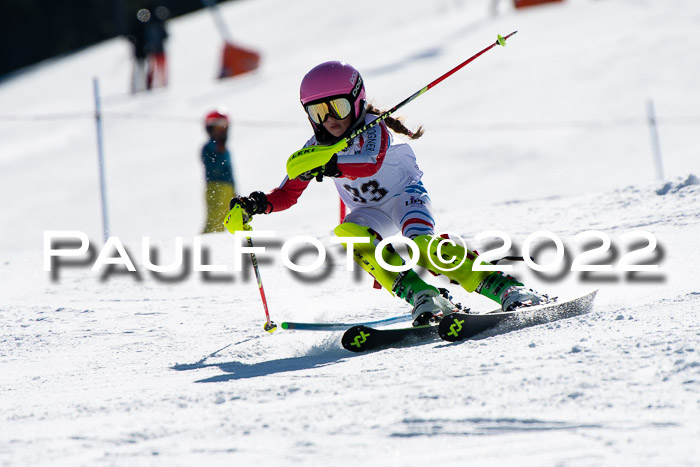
(238, 370)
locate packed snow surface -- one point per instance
(550, 133)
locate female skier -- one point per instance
(379, 180)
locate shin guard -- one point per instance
(363, 253)
(402, 284)
(451, 256)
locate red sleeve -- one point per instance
(286, 195)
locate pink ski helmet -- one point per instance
(330, 80)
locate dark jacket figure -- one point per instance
(137, 37)
(155, 36)
(217, 171)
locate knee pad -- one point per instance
(348, 229)
(364, 253)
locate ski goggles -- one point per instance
(339, 108)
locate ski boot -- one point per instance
(510, 293)
(429, 303)
(520, 297)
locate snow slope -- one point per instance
(550, 133)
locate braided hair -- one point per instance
(396, 124)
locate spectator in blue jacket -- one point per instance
(218, 171)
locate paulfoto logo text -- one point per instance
(595, 252)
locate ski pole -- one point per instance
(315, 156)
(269, 325)
(234, 223)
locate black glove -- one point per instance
(328, 170)
(255, 203)
(308, 175)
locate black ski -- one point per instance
(362, 338)
(460, 326)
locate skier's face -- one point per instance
(219, 132)
(336, 127)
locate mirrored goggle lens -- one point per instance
(338, 108)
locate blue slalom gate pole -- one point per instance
(100, 160)
(655, 145)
